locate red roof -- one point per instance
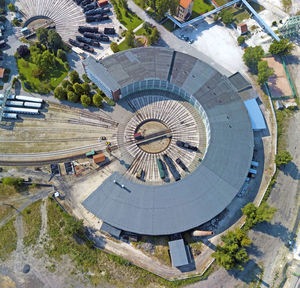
(2, 70)
(244, 28)
(98, 158)
(185, 3)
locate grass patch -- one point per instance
(221, 2)
(4, 211)
(53, 76)
(202, 6)
(7, 191)
(196, 246)
(8, 239)
(123, 46)
(102, 266)
(32, 222)
(128, 18)
(169, 25)
(281, 117)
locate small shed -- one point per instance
(255, 114)
(242, 29)
(178, 253)
(98, 158)
(2, 71)
(111, 230)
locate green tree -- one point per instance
(154, 37)
(73, 227)
(85, 100)
(66, 83)
(54, 40)
(257, 215)
(74, 77)
(42, 35)
(60, 93)
(114, 47)
(61, 54)
(86, 78)
(78, 89)
(129, 38)
(38, 73)
(264, 72)
(148, 27)
(13, 181)
(46, 60)
(86, 88)
(233, 254)
(72, 97)
(97, 100)
(252, 56)
(11, 7)
(226, 16)
(241, 40)
(283, 158)
(281, 47)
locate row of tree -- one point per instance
(74, 91)
(161, 7)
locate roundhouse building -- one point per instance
(201, 195)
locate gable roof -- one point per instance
(2, 70)
(185, 3)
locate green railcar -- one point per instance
(90, 154)
(160, 168)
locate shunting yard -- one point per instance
(61, 128)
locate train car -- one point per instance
(138, 136)
(83, 29)
(21, 110)
(181, 164)
(11, 97)
(33, 105)
(10, 115)
(86, 2)
(90, 7)
(74, 43)
(14, 103)
(140, 174)
(29, 99)
(109, 31)
(172, 167)
(186, 145)
(160, 168)
(98, 11)
(88, 41)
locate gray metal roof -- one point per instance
(239, 82)
(97, 69)
(201, 195)
(178, 253)
(113, 231)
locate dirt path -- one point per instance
(44, 221)
(19, 251)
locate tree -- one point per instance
(72, 97)
(148, 27)
(283, 158)
(66, 83)
(74, 77)
(23, 51)
(241, 40)
(13, 181)
(61, 54)
(86, 78)
(129, 38)
(97, 100)
(154, 37)
(73, 226)
(86, 88)
(257, 215)
(11, 7)
(46, 60)
(78, 89)
(264, 72)
(252, 56)
(226, 16)
(60, 93)
(85, 100)
(232, 254)
(281, 47)
(54, 40)
(38, 73)
(114, 47)
(42, 35)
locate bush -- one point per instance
(114, 47)
(60, 93)
(264, 72)
(23, 51)
(13, 181)
(86, 78)
(226, 16)
(241, 40)
(94, 86)
(38, 73)
(66, 83)
(274, 23)
(216, 17)
(282, 47)
(85, 100)
(252, 56)
(74, 77)
(16, 22)
(86, 88)
(72, 97)
(11, 7)
(61, 54)
(97, 100)
(283, 158)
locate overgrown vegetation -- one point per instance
(8, 239)
(13, 181)
(264, 72)
(32, 223)
(102, 266)
(281, 47)
(287, 4)
(252, 56)
(282, 158)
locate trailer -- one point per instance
(160, 168)
(33, 105)
(14, 103)
(10, 115)
(98, 11)
(90, 7)
(91, 153)
(83, 29)
(109, 31)
(254, 163)
(21, 110)
(181, 164)
(172, 167)
(29, 99)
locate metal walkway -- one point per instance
(259, 20)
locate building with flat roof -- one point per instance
(203, 194)
(178, 253)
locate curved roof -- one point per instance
(203, 194)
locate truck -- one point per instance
(172, 167)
